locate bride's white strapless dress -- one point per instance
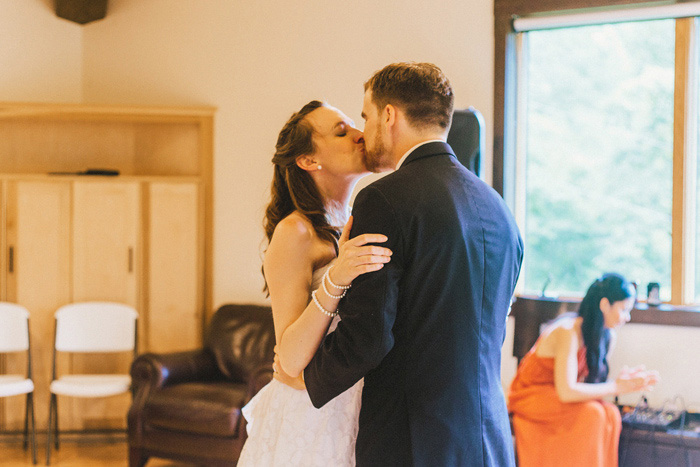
(285, 429)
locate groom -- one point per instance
(426, 330)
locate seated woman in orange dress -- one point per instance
(555, 398)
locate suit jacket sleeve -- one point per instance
(364, 334)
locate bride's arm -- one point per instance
(300, 325)
(288, 267)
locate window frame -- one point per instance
(507, 145)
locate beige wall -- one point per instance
(260, 61)
(672, 350)
(40, 55)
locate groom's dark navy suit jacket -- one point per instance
(426, 330)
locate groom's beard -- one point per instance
(377, 159)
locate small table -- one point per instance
(642, 447)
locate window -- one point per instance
(696, 112)
(595, 142)
(598, 154)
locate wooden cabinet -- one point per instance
(105, 235)
(141, 238)
(106, 242)
(37, 275)
(174, 266)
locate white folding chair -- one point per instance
(14, 337)
(90, 327)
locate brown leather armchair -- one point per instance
(187, 405)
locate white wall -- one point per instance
(260, 61)
(40, 54)
(672, 350)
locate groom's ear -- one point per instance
(307, 162)
(389, 115)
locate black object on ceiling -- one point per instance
(81, 11)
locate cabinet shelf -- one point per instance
(134, 140)
(99, 178)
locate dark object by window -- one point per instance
(466, 137)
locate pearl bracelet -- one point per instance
(325, 289)
(320, 307)
(327, 275)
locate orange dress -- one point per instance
(549, 432)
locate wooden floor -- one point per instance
(74, 453)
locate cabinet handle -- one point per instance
(11, 259)
(131, 259)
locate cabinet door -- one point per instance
(106, 223)
(3, 241)
(174, 302)
(106, 246)
(38, 276)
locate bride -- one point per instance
(308, 268)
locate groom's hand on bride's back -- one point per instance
(279, 374)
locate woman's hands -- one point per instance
(636, 379)
(356, 257)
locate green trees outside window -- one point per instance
(598, 156)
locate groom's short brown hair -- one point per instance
(420, 89)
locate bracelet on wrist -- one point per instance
(320, 307)
(327, 275)
(325, 289)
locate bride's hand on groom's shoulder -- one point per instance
(279, 374)
(358, 255)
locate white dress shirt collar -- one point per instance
(406, 154)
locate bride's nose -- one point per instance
(359, 137)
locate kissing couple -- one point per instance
(389, 323)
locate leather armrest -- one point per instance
(152, 371)
(159, 370)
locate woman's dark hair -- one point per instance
(596, 336)
(293, 189)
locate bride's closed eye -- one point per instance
(342, 130)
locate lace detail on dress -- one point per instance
(285, 429)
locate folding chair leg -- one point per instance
(30, 400)
(25, 442)
(49, 428)
(48, 432)
(55, 420)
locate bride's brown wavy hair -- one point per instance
(292, 188)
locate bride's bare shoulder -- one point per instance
(296, 240)
(290, 251)
(294, 228)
